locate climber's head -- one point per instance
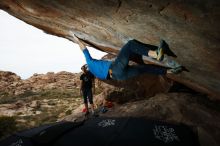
(84, 68)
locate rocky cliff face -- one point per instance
(40, 99)
(190, 27)
(7, 79)
(11, 84)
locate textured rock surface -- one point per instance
(190, 27)
(40, 99)
(188, 108)
(181, 106)
(7, 78)
(11, 84)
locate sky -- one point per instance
(26, 50)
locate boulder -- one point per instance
(191, 28)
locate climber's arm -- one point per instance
(79, 42)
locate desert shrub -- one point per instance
(68, 112)
(49, 94)
(7, 126)
(7, 99)
(3, 94)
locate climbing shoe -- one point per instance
(94, 114)
(104, 109)
(176, 70)
(166, 48)
(160, 54)
(87, 113)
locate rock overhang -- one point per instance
(190, 27)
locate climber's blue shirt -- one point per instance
(98, 68)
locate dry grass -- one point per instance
(51, 105)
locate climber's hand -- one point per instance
(79, 42)
(76, 39)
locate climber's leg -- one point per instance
(132, 71)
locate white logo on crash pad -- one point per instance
(17, 143)
(106, 123)
(165, 134)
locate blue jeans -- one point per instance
(122, 71)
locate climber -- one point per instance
(119, 69)
(87, 84)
